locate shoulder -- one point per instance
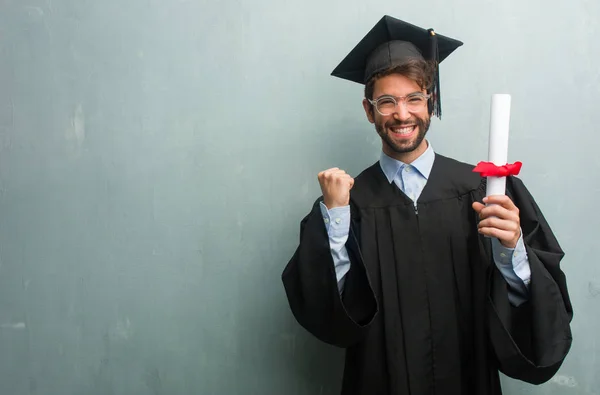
(454, 166)
(370, 176)
(372, 188)
(451, 178)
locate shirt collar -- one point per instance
(423, 164)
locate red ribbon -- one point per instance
(488, 169)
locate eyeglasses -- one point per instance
(386, 105)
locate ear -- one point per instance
(369, 110)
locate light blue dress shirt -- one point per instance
(411, 179)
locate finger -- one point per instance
(502, 235)
(327, 171)
(343, 180)
(327, 175)
(500, 212)
(338, 173)
(502, 224)
(343, 177)
(478, 207)
(346, 183)
(334, 173)
(501, 200)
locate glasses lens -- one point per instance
(415, 102)
(386, 105)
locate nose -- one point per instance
(401, 113)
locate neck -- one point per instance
(406, 157)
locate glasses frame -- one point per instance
(401, 99)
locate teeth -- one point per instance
(404, 130)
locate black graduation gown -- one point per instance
(424, 309)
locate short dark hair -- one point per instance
(419, 70)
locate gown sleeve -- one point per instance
(312, 291)
(531, 341)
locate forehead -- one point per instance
(395, 85)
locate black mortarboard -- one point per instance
(391, 42)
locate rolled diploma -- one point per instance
(498, 141)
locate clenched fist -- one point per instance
(335, 185)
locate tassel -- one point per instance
(434, 55)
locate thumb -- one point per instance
(478, 207)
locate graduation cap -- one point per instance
(390, 43)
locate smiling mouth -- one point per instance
(404, 131)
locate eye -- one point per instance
(386, 102)
(415, 99)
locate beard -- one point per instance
(401, 147)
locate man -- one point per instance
(431, 287)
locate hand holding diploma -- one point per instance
(499, 217)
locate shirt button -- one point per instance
(503, 255)
(326, 220)
(407, 168)
(337, 220)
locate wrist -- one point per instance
(512, 244)
(331, 204)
